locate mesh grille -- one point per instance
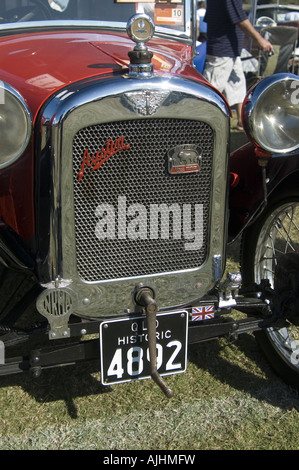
(138, 175)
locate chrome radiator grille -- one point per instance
(137, 175)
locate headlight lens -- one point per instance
(271, 114)
(15, 125)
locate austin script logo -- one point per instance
(96, 160)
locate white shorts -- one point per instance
(226, 74)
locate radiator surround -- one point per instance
(100, 105)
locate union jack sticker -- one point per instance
(202, 313)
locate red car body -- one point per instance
(39, 64)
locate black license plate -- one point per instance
(125, 352)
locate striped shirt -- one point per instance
(225, 38)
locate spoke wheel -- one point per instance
(274, 234)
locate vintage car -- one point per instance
(118, 196)
(265, 14)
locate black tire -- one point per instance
(274, 233)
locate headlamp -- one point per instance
(15, 125)
(271, 114)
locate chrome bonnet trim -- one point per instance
(99, 102)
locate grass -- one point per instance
(228, 399)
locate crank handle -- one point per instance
(145, 298)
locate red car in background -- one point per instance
(118, 196)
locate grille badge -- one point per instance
(146, 102)
(57, 304)
(184, 159)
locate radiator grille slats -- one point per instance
(137, 175)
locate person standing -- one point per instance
(227, 24)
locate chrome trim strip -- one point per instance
(100, 102)
(194, 27)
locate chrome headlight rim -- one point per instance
(6, 88)
(251, 107)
